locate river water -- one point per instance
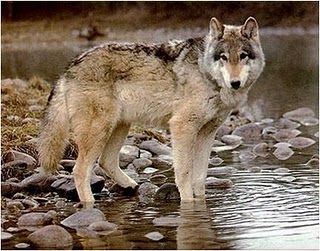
(263, 210)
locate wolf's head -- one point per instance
(233, 55)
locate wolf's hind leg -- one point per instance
(109, 160)
(90, 134)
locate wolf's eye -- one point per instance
(243, 55)
(223, 57)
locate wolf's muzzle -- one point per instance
(235, 84)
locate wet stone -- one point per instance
(261, 149)
(283, 153)
(19, 165)
(65, 186)
(102, 226)
(68, 164)
(215, 161)
(299, 114)
(223, 130)
(83, 218)
(51, 236)
(255, 169)
(155, 236)
(38, 182)
(218, 183)
(301, 142)
(155, 147)
(281, 170)
(6, 236)
(249, 133)
(310, 121)
(158, 179)
(8, 189)
(162, 162)
(247, 155)
(36, 219)
(22, 245)
(313, 162)
(150, 170)
(231, 139)
(127, 155)
(142, 163)
(284, 135)
(167, 191)
(284, 123)
(147, 189)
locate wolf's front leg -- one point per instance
(183, 140)
(203, 148)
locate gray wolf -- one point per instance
(189, 86)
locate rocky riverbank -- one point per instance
(146, 157)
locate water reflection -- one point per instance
(197, 231)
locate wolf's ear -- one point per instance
(250, 28)
(216, 28)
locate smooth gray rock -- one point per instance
(36, 219)
(218, 183)
(102, 226)
(155, 147)
(142, 163)
(167, 191)
(249, 133)
(155, 236)
(127, 155)
(38, 182)
(83, 218)
(51, 236)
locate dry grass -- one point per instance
(15, 107)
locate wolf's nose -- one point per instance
(235, 84)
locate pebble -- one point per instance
(284, 123)
(247, 155)
(51, 236)
(299, 114)
(286, 179)
(155, 147)
(150, 170)
(127, 155)
(147, 189)
(65, 186)
(281, 170)
(83, 218)
(142, 163)
(38, 182)
(22, 245)
(255, 169)
(102, 226)
(8, 189)
(283, 153)
(249, 133)
(158, 179)
(162, 162)
(36, 219)
(282, 145)
(261, 149)
(301, 142)
(155, 236)
(310, 121)
(313, 162)
(284, 135)
(167, 191)
(218, 183)
(231, 139)
(6, 236)
(215, 161)
(145, 154)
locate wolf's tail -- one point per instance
(54, 130)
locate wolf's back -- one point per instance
(54, 130)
